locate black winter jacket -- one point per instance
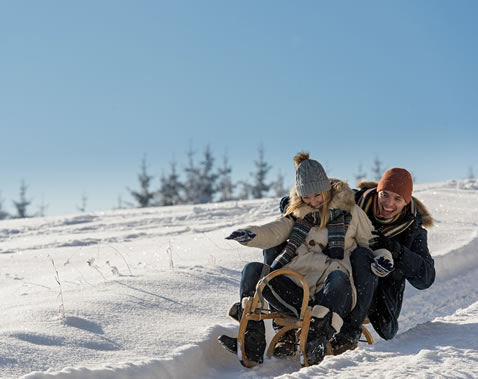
(412, 261)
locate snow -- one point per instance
(143, 293)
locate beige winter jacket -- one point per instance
(310, 261)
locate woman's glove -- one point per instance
(241, 236)
(381, 267)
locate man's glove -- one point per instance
(380, 241)
(381, 267)
(241, 236)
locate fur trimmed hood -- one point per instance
(342, 198)
(427, 219)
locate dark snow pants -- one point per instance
(365, 282)
(336, 294)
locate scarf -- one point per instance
(394, 226)
(337, 226)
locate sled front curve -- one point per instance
(288, 322)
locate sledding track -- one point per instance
(435, 324)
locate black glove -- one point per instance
(380, 241)
(334, 253)
(241, 236)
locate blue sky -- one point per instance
(88, 87)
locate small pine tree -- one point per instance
(171, 188)
(471, 174)
(377, 169)
(144, 197)
(244, 190)
(82, 206)
(3, 214)
(22, 204)
(260, 187)
(278, 186)
(225, 187)
(192, 182)
(42, 208)
(207, 178)
(360, 175)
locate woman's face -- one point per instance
(315, 200)
(390, 204)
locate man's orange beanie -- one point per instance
(397, 180)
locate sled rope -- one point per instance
(276, 295)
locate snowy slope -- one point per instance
(145, 294)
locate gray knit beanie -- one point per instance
(310, 178)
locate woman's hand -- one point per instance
(241, 236)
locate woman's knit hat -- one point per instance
(310, 176)
(397, 180)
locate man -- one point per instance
(399, 220)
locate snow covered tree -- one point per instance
(471, 174)
(377, 169)
(278, 186)
(360, 175)
(22, 204)
(207, 178)
(3, 214)
(144, 196)
(260, 187)
(171, 188)
(244, 190)
(82, 206)
(225, 187)
(42, 208)
(192, 182)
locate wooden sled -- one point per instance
(255, 309)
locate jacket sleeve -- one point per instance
(415, 262)
(271, 234)
(364, 227)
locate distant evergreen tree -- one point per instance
(244, 190)
(260, 187)
(82, 206)
(225, 187)
(207, 178)
(278, 186)
(360, 175)
(171, 188)
(144, 197)
(192, 187)
(22, 204)
(42, 208)
(471, 174)
(121, 204)
(377, 169)
(3, 214)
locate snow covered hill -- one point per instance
(143, 293)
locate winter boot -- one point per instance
(254, 341)
(347, 339)
(229, 343)
(235, 311)
(287, 345)
(320, 333)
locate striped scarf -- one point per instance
(337, 227)
(396, 225)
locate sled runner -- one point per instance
(255, 308)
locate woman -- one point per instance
(322, 226)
